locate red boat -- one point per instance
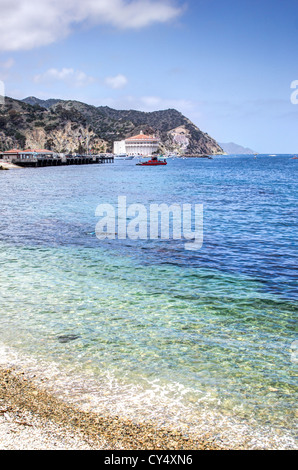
(153, 162)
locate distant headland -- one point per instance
(232, 148)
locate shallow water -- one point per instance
(207, 329)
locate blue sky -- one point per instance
(227, 65)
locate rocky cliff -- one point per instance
(72, 126)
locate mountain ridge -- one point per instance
(72, 126)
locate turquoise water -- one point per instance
(213, 327)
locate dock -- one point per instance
(37, 159)
(36, 162)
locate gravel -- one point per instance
(41, 407)
(31, 419)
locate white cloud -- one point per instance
(116, 82)
(5, 67)
(7, 64)
(73, 77)
(152, 103)
(26, 24)
(148, 103)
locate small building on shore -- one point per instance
(14, 155)
(140, 144)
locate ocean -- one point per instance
(144, 327)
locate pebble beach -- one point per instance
(36, 414)
(32, 419)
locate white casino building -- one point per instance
(137, 145)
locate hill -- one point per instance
(43, 103)
(231, 148)
(72, 126)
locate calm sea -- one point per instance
(152, 324)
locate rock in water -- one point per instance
(67, 338)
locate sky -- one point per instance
(228, 65)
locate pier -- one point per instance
(37, 159)
(36, 162)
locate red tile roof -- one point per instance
(37, 150)
(13, 151)
(142, 137)
(28, 150)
